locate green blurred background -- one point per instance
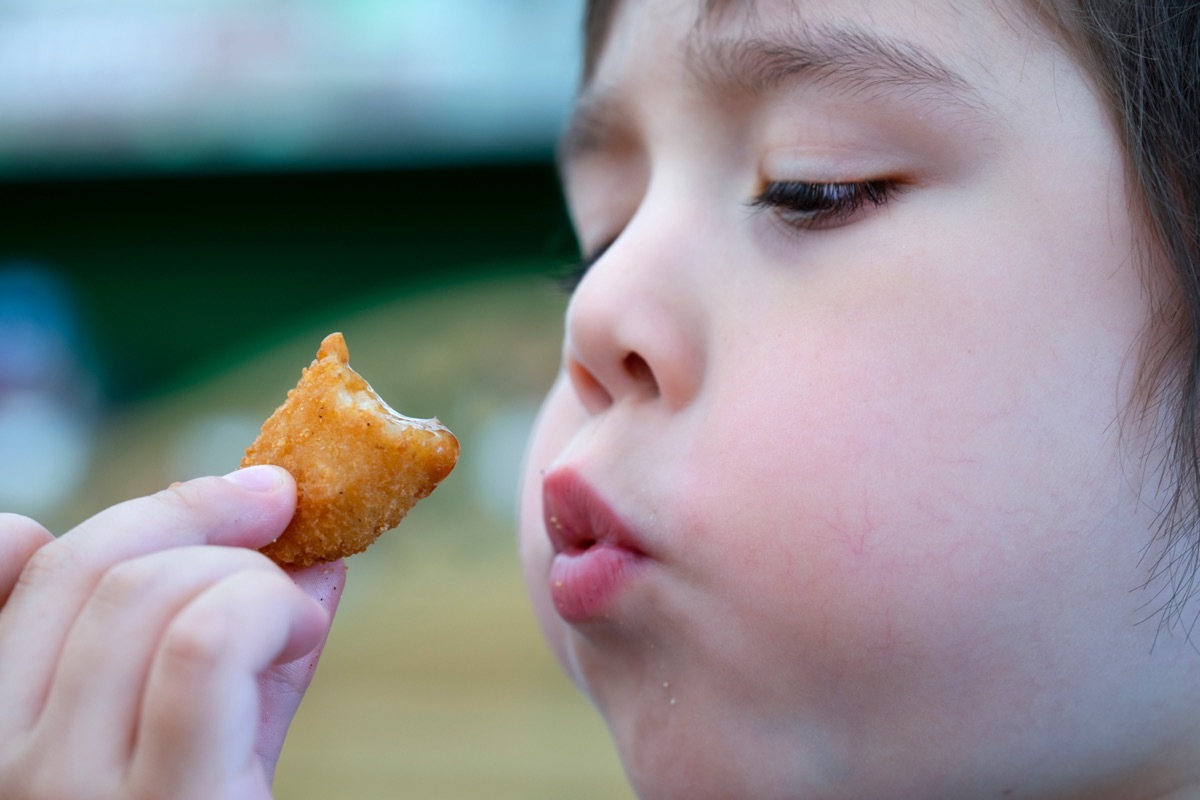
(192, 195)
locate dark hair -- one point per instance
(1143, 57)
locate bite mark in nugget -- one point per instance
(359, 466)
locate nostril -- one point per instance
(639, 371)
(593, 394)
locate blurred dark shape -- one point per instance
(49, 392)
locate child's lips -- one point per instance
(595, 553)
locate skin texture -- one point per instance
(151, 652)
(894, 507)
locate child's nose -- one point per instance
(632, 335)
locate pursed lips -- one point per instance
(595, 553)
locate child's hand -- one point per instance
(137, 660)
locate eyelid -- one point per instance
(841, 201)
(818, 205)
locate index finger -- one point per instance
(247, 508)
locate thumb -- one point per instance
(282, 687)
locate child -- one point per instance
(871, 469)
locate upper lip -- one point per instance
(577, 517)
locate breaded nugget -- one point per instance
(359, 466)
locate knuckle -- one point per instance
(55, 558)
(187, 499)
(195, 641)
(125, 583)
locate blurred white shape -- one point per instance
(307, 80)
(212, 444)
(496, 453)
(45, 449)
(48, 393)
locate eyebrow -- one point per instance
(847, 60)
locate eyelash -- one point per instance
(800, 204)
(814, 206)
(573, 274)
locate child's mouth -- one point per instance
(595, 553)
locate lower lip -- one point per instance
(584, 584)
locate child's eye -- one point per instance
(823, 205)
(800, 204)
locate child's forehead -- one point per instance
(711, 36)
(841, 54)
(716, 19)
(940, 56)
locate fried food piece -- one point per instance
(359, 466)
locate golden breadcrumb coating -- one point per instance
(359, 466)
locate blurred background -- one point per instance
(192, 194)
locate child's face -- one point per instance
(837, 478)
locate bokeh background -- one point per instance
(192, 194)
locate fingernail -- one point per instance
(259, 478)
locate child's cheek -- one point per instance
(560, 418)
(917, 505)
(853, 574)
